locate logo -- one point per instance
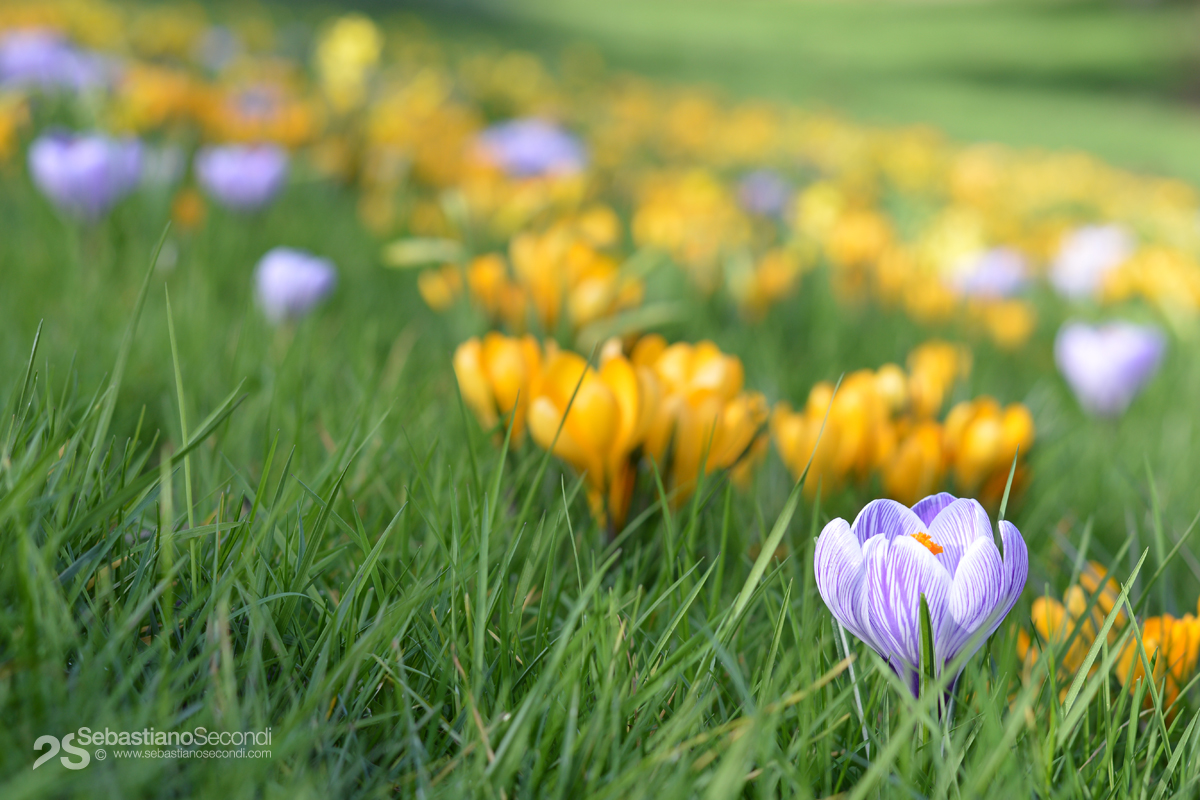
(56, 745)
(149, 743)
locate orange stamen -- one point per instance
(924, 539)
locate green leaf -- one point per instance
(419, 252)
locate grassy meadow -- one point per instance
(210, 519)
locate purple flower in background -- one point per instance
(35, 58)
(290, 282)
(1085, 256)
(872, 574)
(999, 272)
(242, 177)
(1107, 366)
(529, 147)
(764, 191)
(85, 175)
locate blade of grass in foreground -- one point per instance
(114, 385)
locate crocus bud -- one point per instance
(242, 177)
(1086, 256)
(42, 59)
(346, 54)
(86, 174)
(440, 287)
(1107, 366)
(487, 277)
(496, 376)
(996, 273)
(290, 282)
(764, 192)
(531, 147)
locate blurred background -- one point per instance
(1120, 79)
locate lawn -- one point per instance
(1116, 79)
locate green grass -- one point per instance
(1116, 79)
(351, 528)
(335, 550)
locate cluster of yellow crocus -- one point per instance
(706, 417)
(1172, 644)
(882, 422)
(1173, 647)
(262, 103)
(869, 260)
(1165, 276)
(981, 437)
(679, 406)
(565, 273)
(1057, 622)
(692, 216)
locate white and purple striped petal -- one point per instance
(931, 506)
(898, 573)
(872, 575)
(839, 571)
(956, 527)
(978, 585)
(1016, 569)
(887, 518)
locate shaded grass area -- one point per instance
(1116, 79)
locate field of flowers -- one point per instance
(455, 422)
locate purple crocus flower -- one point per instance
(85, 175)
(872, 574)
(1085, 256)
(764, 191)
(242, 177)
(35, 58)
(290, 282)
(531, 147)
(999, 272)
(1107, 366)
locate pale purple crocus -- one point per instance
(242, 177)
(1085, 256)
(995, 273)
(290, 282)
(873, 573)
(764, 192)
(85, 174)
(531, 147)
(36, 58)
(1107, 365)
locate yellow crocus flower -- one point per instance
(346, 54)
(495, 376)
